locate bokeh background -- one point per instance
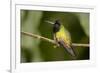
(36, 50)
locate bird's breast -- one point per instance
(61, 35)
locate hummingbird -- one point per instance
(62, 37)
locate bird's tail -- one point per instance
(69, 49)
(71, 52)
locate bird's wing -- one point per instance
(68, 47)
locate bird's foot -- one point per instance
(55, 46)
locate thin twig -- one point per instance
(81, 45)
(37, 36)
(52, 41)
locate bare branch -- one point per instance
(81, 45)
(52, 41)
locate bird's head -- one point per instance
(56, 26)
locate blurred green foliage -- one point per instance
(36, 50)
